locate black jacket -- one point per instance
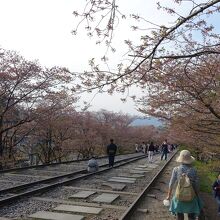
(165, 148)
(216, 188)
(111, 149)
(151, 147)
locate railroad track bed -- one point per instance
(64, 166)
(22, 176)
(98, 180)
(107, 197)
(8, 181)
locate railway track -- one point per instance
(20, 178)
(120, 187)
(135, 207)
(18, 169)
(24, 190)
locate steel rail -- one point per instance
(52, 164)
(34, 183)
(43, 165)
(14, 198)
(133, 206)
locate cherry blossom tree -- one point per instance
(24, 85)
(190, 35)
(175, 63)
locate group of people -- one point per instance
(151, 149)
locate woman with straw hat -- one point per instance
(177, 207)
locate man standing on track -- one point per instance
(164, 150)
(150, 152)
(111, 151)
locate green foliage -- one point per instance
(206, 171)
(206, 175)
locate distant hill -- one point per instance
(146, 121)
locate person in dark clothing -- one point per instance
(111, 151)
(150, 152)
(164, 150)
(216, 189)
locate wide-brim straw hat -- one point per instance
(185, 157)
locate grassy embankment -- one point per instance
(206, 175)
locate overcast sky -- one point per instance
(41, 29)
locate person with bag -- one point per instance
(216, 189)
(186, 198)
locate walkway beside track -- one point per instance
(151, 206)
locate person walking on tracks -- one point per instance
(216, 189)
(186, 198)
(111, 151)
(164, 150)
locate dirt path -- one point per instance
(211, 208)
